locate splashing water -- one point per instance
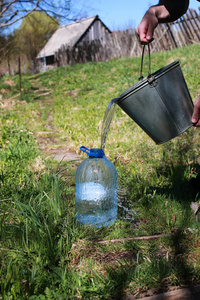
(110, 110)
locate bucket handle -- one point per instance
(150, 77)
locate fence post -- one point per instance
(195, 16)
(19, 70)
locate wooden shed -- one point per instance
(73, 34)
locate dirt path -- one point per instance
(48, 140)
(190, 293)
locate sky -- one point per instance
(115, 14)
(119, 14)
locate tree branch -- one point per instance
(9, 22)
(15, 10)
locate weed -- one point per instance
(44, 253)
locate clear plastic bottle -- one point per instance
(96, 190)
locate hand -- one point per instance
(154, 15)
(146, 28)
(196, 113)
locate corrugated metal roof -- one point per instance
(67, 34)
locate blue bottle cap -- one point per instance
(93, 152)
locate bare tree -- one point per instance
(15, 10)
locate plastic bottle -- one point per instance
(96, 190)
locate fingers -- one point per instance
(150, 31)
(196, 113)
(197, 124)
(146, 28)
(145, 36)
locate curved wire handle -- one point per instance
(149, 73)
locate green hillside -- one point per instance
(44, 254)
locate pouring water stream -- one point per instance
(109, 113)
(123, 205)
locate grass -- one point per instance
(44, 253)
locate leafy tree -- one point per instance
(34, 32)
(15, 10)
(7, 49)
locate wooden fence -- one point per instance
(182, 32)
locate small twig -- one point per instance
(13, 97)
(140, 238)
(3, 249)
(44, 94)
(43, 90)
(6, 213)
(6, 199)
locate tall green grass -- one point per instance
(44, 254)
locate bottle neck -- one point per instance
(94, 152)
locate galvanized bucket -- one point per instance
(159, 103)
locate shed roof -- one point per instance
(68, 34)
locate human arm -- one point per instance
(165, 11)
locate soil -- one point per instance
(48, 140)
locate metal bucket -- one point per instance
(159, 103)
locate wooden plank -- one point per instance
(187, 28)
(191, 19)
(172, 36)
(184, 32)
(168, 38)
(190, 293)
(159, 33)
(162, 37)
(195, 18)
(180, 34)
(192, 27)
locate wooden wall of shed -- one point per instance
(96, 32)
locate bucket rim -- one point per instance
(144, 81)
